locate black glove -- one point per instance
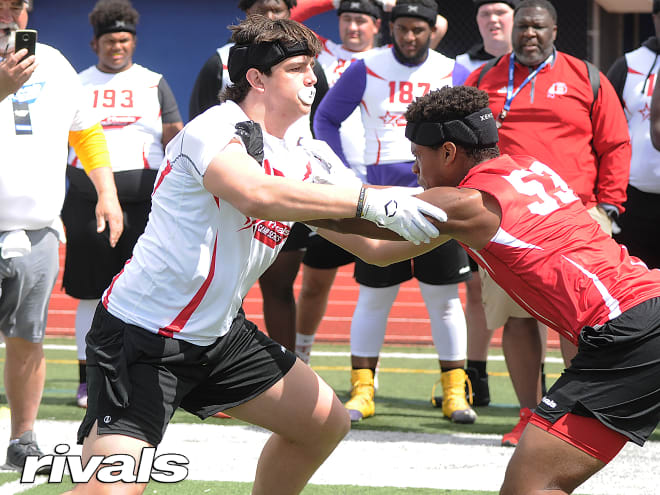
(253, 139)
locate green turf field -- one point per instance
(402, 404)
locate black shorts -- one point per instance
(446, 264)
(298, 238)
(640, 226)
(137, 379)
(321, 253)
(615, 376)
(90, 262)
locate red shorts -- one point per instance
(587, 434)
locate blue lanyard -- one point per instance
(510, 93)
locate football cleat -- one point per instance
(512, 438)
(480, 388)
(361, 404)
(454, 403)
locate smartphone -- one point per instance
(26, 38)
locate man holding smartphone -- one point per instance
(41, 108)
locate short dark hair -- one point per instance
(109, 12)
(260, 29)
(541, 4)
(453, 103)
(246, 4)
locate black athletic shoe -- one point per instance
(480, 389)
(18, 451)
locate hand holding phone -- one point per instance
(26, 38)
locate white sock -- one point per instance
(304, 346)
(448, 326)
(84, 317)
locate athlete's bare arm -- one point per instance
(473, 219)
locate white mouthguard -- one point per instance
(306, 95)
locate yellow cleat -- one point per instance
(454, 404)
(361, 404)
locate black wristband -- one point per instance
(360, 203)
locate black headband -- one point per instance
(115, 26)
(261, 56)
(359, 7)
(416, 10)
(477, 129)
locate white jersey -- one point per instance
(199, 256)
(390, 88)
(643, 67)
(127, 105)
(34, 125)
(335, 59)
(223, 53)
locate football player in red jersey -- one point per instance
(521, 222)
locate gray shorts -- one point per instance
(26, 283)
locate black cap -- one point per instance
(511, 3)
(359, 7)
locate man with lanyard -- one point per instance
(359, 22)
(548, 111)
(520, 221)
(381, 86)
(41, 108)
(170, 331)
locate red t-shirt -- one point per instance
(550, 255)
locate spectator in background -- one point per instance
(41, 107)
(495, 21)
(548, 111)
(139, 116)
(634, 79)
(382, 85)
(359, 21)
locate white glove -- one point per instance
(401, 213)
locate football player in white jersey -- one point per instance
(382, 85)
(170, 331)
(139, 115)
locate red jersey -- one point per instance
(550, 120)
(549, 255)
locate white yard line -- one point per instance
(371, 458)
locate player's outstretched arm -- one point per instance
(238, 179)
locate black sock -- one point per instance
(82, 372)
(480, 366)
(443, 368)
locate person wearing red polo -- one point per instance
(544, 103)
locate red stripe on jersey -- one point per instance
(372, 73)
(185, 314)
(166, 171)
(633, 71)
(308, 171)
(144, 159)
(364, 104)
(74, 163)
(377, 152)
(107, 292)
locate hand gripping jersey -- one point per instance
(128, 107)
(640, 80)
(548, 253)
(199, 256)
